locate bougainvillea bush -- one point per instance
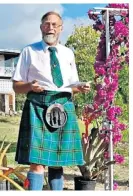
(103, 110)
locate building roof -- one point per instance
(12, 51)
(9, 53)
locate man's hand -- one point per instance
(25, 87)
(35, 87)
(84, 88)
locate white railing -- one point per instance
(5, 86)
(6, 71)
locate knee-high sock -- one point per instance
(36, 180)
(55, 178)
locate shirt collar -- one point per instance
(46, 46)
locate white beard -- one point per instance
(50, 39)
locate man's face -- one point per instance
(51, 28)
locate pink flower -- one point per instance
(117, 137)
(106, 139)
(118, 158)
(113, 111)
(92, 16)
(118, 110)
(127, 20)
(122, 126)
(99, 86)
(106, 104)
(114, 77)
(127, 59)
(95, 105)
(123, 13)
(100, 70)
(121, 29)
(115, 186)
(110, 96)
(107, 80)
(111, 114)
(99, 27)
(106, 155)
(101, 93)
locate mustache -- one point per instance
(49, 34)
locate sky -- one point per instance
(20, 23)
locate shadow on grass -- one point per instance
(122, 183)
(4, 120)
(13, 120)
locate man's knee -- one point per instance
(37, 168)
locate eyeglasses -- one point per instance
(47, 25)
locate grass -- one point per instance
(125, 136)
(116, 177)
(9, 128)
(82, 127)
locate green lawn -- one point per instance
(9, 127)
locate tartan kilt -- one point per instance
(40, 144)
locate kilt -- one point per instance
(40, 144)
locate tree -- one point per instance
(20, 98)
(84, 42)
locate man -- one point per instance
(44, 71)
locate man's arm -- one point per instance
(25, 87)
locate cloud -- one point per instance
(20, 23)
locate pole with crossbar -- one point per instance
(108, 174)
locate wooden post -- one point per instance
(6, 103)
(13, 101)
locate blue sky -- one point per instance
(74, 10)
(19, 23)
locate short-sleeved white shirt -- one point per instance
(34, 64)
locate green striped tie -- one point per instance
(55, 67)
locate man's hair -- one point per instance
(50, 13)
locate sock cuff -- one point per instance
(36, 175)
(55, 170)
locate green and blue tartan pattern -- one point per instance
(55, 67)
(40, 144)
